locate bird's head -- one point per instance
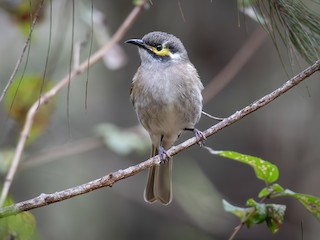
(160, 47)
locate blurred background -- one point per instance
(76, 144)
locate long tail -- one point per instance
(159, 186)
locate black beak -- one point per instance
(138, 42)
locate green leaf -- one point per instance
(20, 226)
(272, 214)
(271, 189)
(260, 212)
(248, 216)
(241, 213)
(264, 170)
(264, 192)
(311, 203)
(277, 188)
(275, 217)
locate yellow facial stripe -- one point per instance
(164, 52)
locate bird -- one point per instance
(166, 96)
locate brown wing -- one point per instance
(133, 90)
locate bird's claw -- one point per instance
(164, 156)
(201, 138)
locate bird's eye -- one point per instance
(159, 47)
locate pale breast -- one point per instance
(167, 101)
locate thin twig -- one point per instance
(65, 150)
(235, 64)
(181, 12)
(26, 44)
(243, 222)
(48, 49)
(72, 148)
(236, 231)
(60, 85)
(90, 51)
(70, 67)
(112, 178)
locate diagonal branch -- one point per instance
(60, 85)
(112, 178)
(26, 44)
(243, 55)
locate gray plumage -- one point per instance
(166, 95)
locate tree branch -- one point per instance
(60, 85)
(242, 56)
(112, 178)
(26, 44)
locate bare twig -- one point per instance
(112, 178)
(48, 50)
(60, 85)
(26, 44)
(236, 231)
(235, 64)
(65, 150)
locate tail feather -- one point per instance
(159, 186)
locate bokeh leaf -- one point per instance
(6, 156)
(20, 97)
(20, 226)
(122, 141)
(19, 12)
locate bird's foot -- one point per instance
(199, 135)
(164, 156)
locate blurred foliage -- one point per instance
(23, 92)
(297, 25)
(19, 11)
(21, 226)
(121, 141)
(272, 214)
(116, 57)
(6, 157)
